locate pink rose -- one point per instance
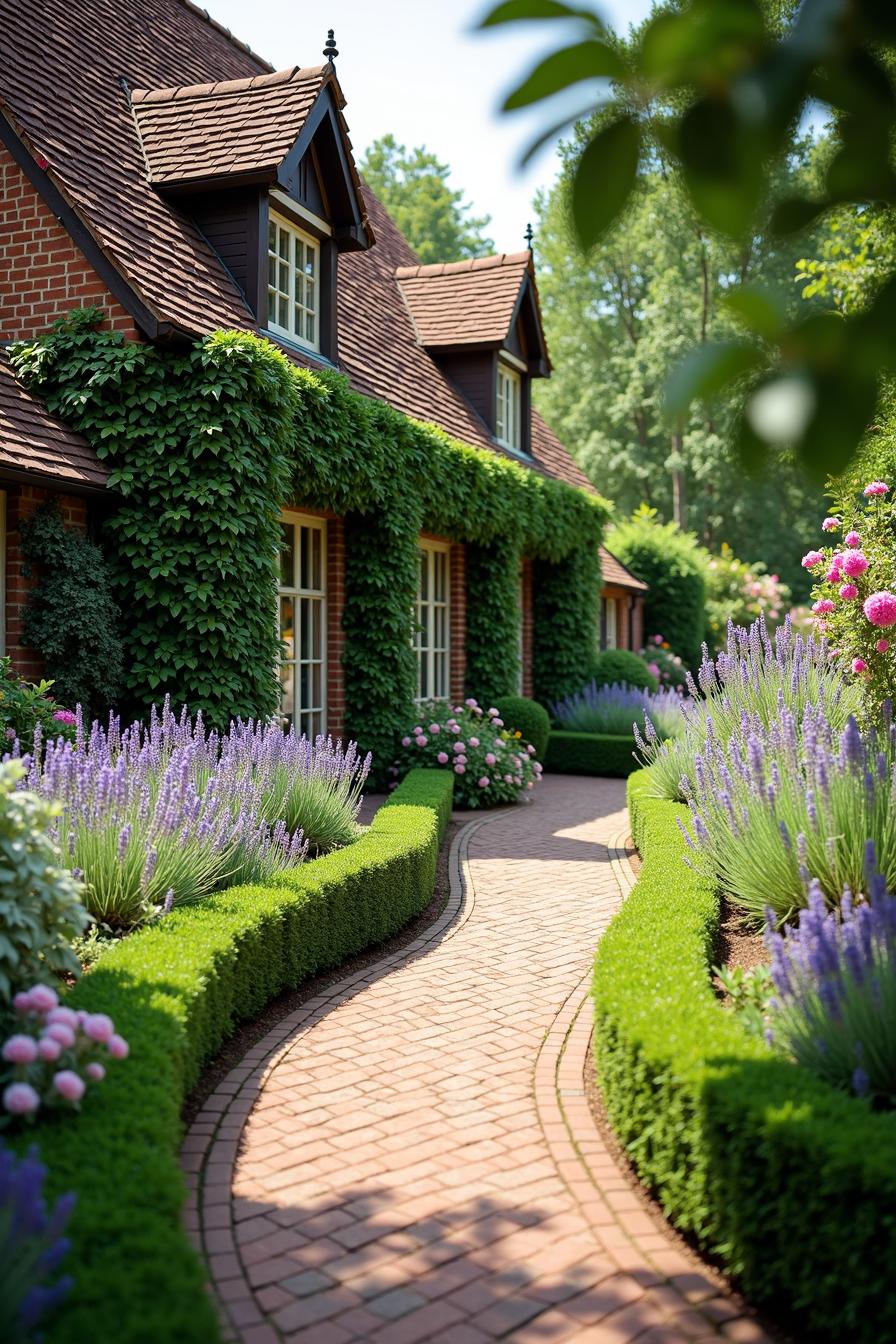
(508, 779)
(484, 782)
(493, 713)
(118, 1047)
(20, 1099)
(48, 1049)
(42, 998)
(876, 488)
(458, 747)
(421, 739)
(882, 645)
(434, 728)
(470, 703)
(497, 723)
(461, 760)
(418, 730)
(69, 1084)
(854, 563)
(455, 727)
(405, 741)
(442, 758)
(460, 769)
(490, 758)
(859, 665)
(880, 608)
(61, 1033)
(66, 1015)
(825, 605)
(849, 591)
(65, 716)
(474, 741)
(653, 669)
(853, 539)
(830, 524)
(809, 561)
(99, 1027)
(95, 1072)
(20, 1050)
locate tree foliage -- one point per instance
(413, 186)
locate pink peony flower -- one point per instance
(461, 760)
(69, 1084)
(508, 779)
(455, 727)
(848, 590)
(61, 1033)
(118, 1047)
(48, 1049)
(42, 998)
(497, 723)
(416, 731)
(66, 1015)
(470, 703)
(442, 758)
(859, 665)
(809, 561)
(20, 1099)
(421, 739)
(882, 645)
(484, 782)
(434, 728)
(405, 741)
(458, 746)
(880, 608)
(22, 1001)
(853, 539)
(530, 749)
(20, 1050)
(876, 488)
(825, 605)
(95, 1072)
(657, 639)
(474, 741)
(460, 769)
(854, 563)
(99, 1027)
(493, 713)
(490, 758)
(65, 716)
(830, 524)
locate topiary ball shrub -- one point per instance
(620, 667)
(674, 565)
(527, 717)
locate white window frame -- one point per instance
(309, 718)
(433, 655)
(609, 629)
(508, 408)
(300, 243)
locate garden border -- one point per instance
(175, 990)
(574, 753)
(790, 1182)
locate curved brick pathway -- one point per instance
(411, 1157)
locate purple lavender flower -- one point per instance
(32, 1246)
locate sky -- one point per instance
(420, 71)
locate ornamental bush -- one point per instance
(491, 764)
(527, 717)
(739, 592)
(619, 667)
(41, 911)
(674, 565)
(26, 706)
(663, 664)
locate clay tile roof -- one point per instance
(464, 302)
(615, 572)
(197, 132)
(31, 440)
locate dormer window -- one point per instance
(293, 283)
(508, 419)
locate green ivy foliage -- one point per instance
(566, 623)
(71, 617)
(207, 444)
(674, 566)
(493, 621)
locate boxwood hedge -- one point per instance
(572, 753)
(176, 991)
(790, 1182)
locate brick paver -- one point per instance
(411, 1156)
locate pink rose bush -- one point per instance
(855, 591)
(490, 764)
(53, 1053)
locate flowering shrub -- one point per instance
(855, 591)
(739, 592)
(25, 706)
(624, 668)
(834, 976)
(32, 1247)
(751, 680)
(54, 1053)
(615, 710)
(782, 800)
(41, 909)
(166, 814)
(491, 764)
(664, 666)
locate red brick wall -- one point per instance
(43, 275)
(458, 623)
(21, 500)
(526, 590)
(335, 632)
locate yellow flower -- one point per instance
(517, 733)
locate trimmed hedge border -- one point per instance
(571, 753)
(176, 991)
(791, 1182)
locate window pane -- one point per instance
(283, 313)
(317, 572)
(304, 560)
(287, 554)
(287, 690)
(287, 631)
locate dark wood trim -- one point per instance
(111, 277)
(352, 232)
(264, 210)
(44, 481)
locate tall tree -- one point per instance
(621, 317)
(413, 186)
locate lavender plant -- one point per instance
(165, 814)
(616, 710)
(32, 1247)
(752, 677)
(834, 976)
(779, 801)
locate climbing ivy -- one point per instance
(207, 443)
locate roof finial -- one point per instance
(529, 235)
(330, 52)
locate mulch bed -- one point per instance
(250, 1033)
(737, 945)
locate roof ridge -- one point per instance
(221, 87)
(494, 261)
(225, 32)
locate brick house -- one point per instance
(177, 181)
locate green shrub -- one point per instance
(674, 565)
(590, 754)
(791, 1182)
(25, 706)
(619, 667)
(71, 617)
(565, 615)
(489, 765)
(527, 717)
(176, 990)
(40, 902)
